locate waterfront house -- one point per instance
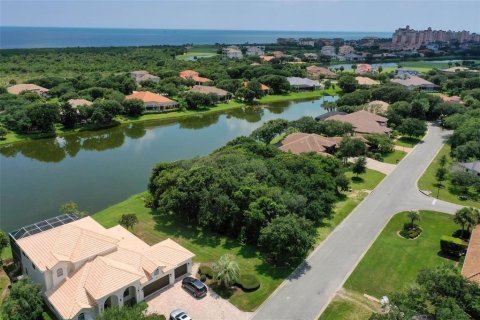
(471, 264)
(193, 75)
(364, 81)
(153, 101)
(364, 68)
(314, 72)
(363, 122)
(299, 142)
(142, 75)
(415, 82)
(303, 84)
(221, 94)
(28, 87)
(84, 268)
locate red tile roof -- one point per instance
(471, 266)
(303, 142)
(194, 75)
(147, 96)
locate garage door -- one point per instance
(180, 271)
(155, 286)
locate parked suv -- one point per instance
(195, 287)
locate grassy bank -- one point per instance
(349, 305)
(394, 157)
(209, 247)
(12, 137)
(428, 181)
(392, 263)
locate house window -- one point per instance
(156, 272)
(126, 292)
(81, 316)
(60, 272)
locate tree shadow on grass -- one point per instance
(356, 179)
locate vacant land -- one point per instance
(393, 263)
(394, 157)
(209, 247)
(428, 181)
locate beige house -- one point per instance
(364, 122)
(84, 268)
(19, 88)
(365, 81)
(300, 142)
(153, 101)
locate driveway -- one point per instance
(210, 307)
(308, 291)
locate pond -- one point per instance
(98, 169)
(348, 66)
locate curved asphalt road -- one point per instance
(308, 291)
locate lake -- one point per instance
(98, 169)
(36, 37)
(348, 66)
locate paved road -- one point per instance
(309, 290)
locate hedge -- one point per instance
(451, 245)
(207, 271)
(248, 282)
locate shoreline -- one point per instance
(14, 138)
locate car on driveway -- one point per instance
(179, 314)
(195, 287)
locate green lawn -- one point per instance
(367, 180)
(394, 157)
(300, 95)
(393, 263)
(349, 306)
(449, 193)
(198, 51)
(408, 142)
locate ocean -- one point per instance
(36, 37)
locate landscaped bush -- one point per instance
(203, 278)
(410, 231)
(207, 271)
(248, 282)
(451, 245)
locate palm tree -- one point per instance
(226, 270)
(413, 215)
(466, 217)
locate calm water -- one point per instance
(348, 66)
(98, 169)
(32, 37)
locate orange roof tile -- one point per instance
(147, 96)
(471, 265)
(303, 142)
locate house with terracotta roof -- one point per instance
(29, 87)
(365, 81)
(278, 54)
(299, 142)
(84, 268)
(193, 75)
(363, 122)
(153, 101)
(315, 72)
(453, 99)
(221, 94)
(471, 265)
(364, 68)
(267, 58)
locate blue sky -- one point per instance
(311, 15)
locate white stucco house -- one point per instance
(84, 268)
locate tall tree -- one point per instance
(270, 130)
(412, 127)
(128, 220)
(359, 166)
(25, 301)
(414, 216)
(441, 176)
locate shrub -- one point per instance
(203, 278)
(248, 282)
(410, 231)
(451, 245)
(207, 271)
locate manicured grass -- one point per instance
(428, 182)
(198, 51)
(408, 142)
(349, 306)
(367, 180)
(393, 263)
(394, 157)
(208, 247)
(7, 253)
